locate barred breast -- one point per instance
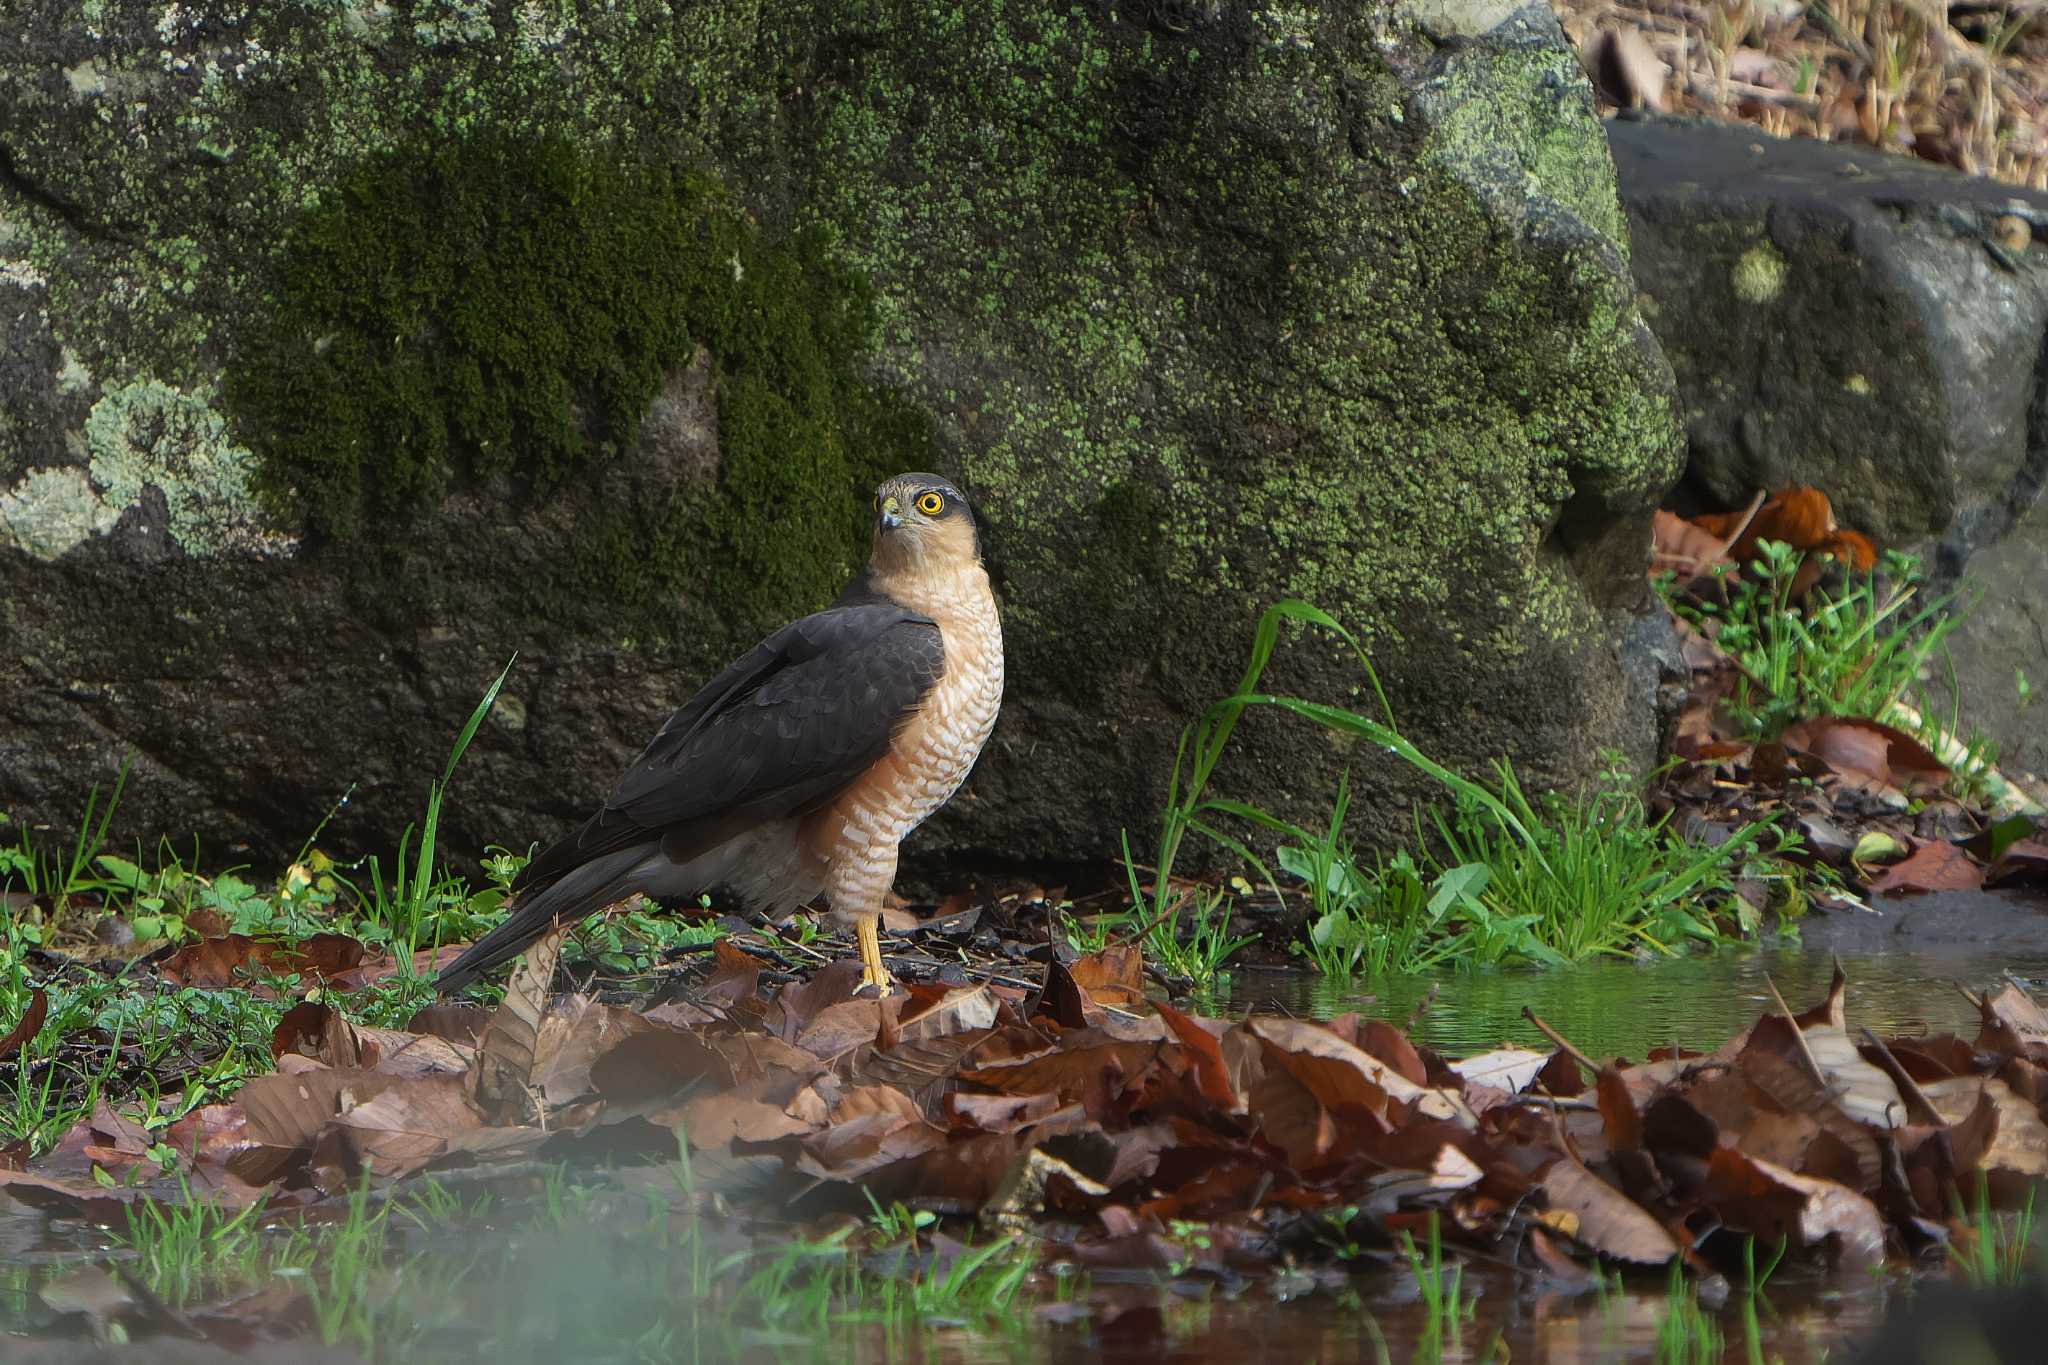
(930, 756)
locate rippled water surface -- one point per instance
(1626, 1008)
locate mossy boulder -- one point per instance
(359, 347)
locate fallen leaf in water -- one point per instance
(1771, 1203)
(1604, 1218)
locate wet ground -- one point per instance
(617, 1271)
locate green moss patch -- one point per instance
(504, 307)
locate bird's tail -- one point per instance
(569, 898)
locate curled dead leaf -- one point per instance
(1604, 1218)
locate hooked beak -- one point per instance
(891, 513)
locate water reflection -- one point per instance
(1626, 1008)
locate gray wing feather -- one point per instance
(780, 732)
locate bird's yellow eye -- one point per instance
(931, 504)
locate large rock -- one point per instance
(350, 349)
(1873, 325)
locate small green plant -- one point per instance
(898, 1222)
(1516, 878)
(1189, 1240)
(1200, 955)
(979, 1284)
(1589, 876)
(1387, 919)
(54, 879)
(1093, 934)
(639, 939)
(1992, 1252)
(1857, 651)
(1446, 1306)
(411, 904)
(1753, 1295)
(1688, 1333)
(191, 1247)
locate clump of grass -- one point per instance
(1446, 1307)
(51, 878)
(1510, 878)
(1855, 651)
(1688, 1333)
(1993, 1252)
(191, 1248)
(1590, 875)
(815, 1284)
(410, 907)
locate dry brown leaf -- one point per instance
(574, 1033)
(997, 1113)
(872, 1128)
(1769, 1202)
(1070, 1071)
(2013, 1014)
(405, 1126)
(1861, 1091)
(1339, 1074)
(28, 1026)
(658, 1065)
(841, 1028)
(799, 1003)
(1618, 1116)
(1799, 515)
(1935, 865)
(1114, 977)
(963, 1009)
(505, 1054)
(1212, 1077)
(217, 963)
(1627, 71)
(1510, 1069)
(316, 1030)
(758, 1110)
(1868, 756)
(2020, 1141)
(2024, 862)
(737, 976)
(1382, 1040)
(1604, 1218)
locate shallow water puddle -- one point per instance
(594, 1266)
(1625, 1008)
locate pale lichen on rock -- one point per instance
(52, 510)
(148, 434)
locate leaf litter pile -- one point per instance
(1102, 1122)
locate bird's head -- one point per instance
(923, 525)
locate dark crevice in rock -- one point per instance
(73, 215)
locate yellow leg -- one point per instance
(867, 928)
